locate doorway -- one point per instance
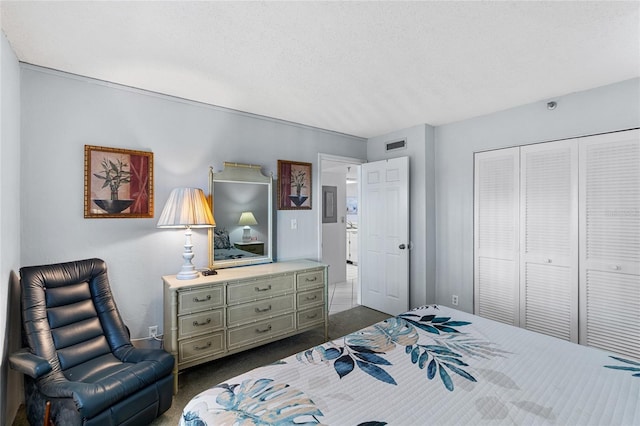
(338, 234)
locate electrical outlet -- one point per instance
(454, 300)
(153, 331)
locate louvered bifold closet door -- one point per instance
(549, 239)
(496, 240)
(610, 242)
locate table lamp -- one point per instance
(186, 208)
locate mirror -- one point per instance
(241, 200)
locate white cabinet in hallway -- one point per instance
(352, 246)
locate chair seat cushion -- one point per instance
(105, 380)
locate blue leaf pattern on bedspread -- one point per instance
(260, 402)
(441, 356)
(635, 364)
(191, 418)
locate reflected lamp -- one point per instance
(247, 219)
(186, 208)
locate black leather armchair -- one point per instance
(79, 353)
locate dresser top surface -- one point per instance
(243, 272)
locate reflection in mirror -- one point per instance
(242, 208)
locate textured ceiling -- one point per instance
(360, 68)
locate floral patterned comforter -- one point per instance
(431, 365)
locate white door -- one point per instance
(610, 242)
(384, 233)
(549, 238)
(496, 235)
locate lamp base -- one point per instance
(187, 275)
(188, 271)
(246, 234)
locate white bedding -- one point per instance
(432, 365)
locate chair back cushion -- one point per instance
(69, 314)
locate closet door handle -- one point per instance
(402, 246)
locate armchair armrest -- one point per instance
(29, 364)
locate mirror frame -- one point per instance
(243, 173)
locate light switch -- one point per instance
(294, 224)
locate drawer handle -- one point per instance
(196, 323)
(312, 316)
(311, 280)
(199, 348)
(195, 299)
(258, 310)
(264, 289)
(311, 298)
(264, 330)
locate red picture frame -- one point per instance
(294, 185)
(118, 183)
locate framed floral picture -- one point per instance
(294, 185)
(118, 183)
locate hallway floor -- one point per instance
(344, 295)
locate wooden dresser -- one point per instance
(240, 308)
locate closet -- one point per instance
(557, 239)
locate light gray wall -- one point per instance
(61, 113)
(420, 150)
(604, 109)
(9, 222)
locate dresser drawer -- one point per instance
(200, 323)
(201, 347)
(253, 311)
(310, 298)
(310, 279)
(310, 317)
(262, 330)
(200, 299)
(245, 291)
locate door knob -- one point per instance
(402, 246)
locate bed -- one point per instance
(224, 250)
(431, 365)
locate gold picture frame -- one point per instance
(118, 183)
(294, 185)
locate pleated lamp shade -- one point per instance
(186, 207)
(247, 218)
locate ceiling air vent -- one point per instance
(392, 146)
